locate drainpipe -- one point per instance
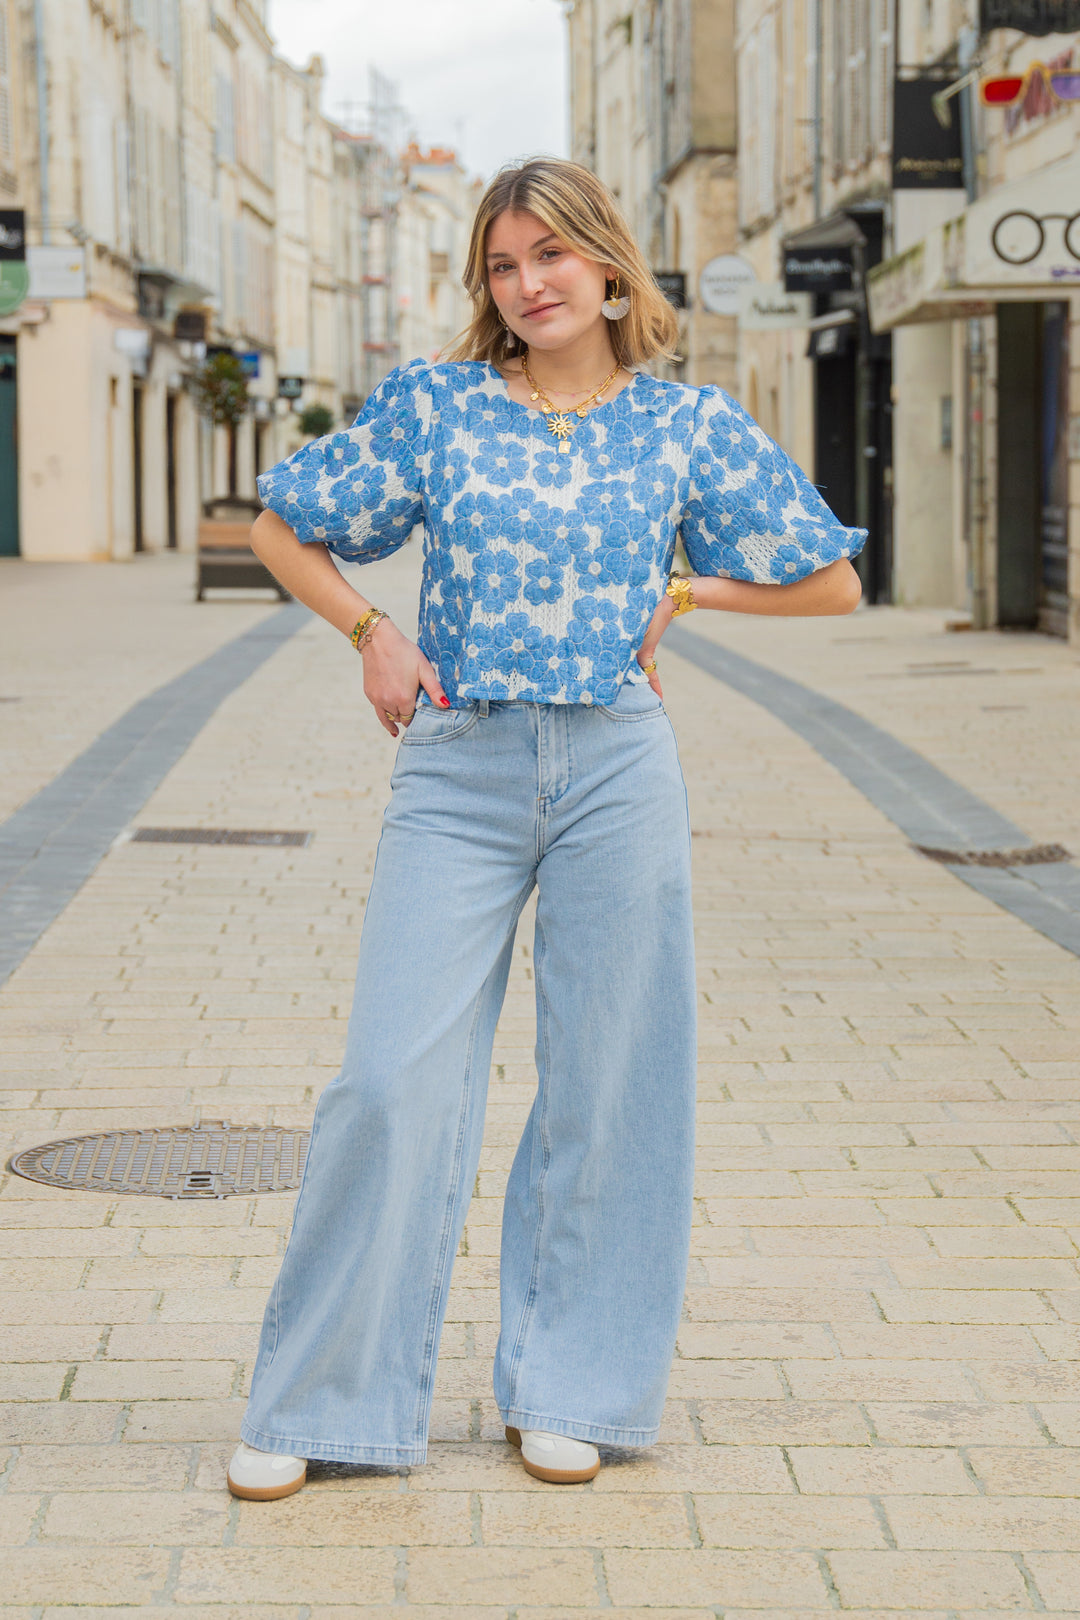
(42, 121)
(975, 374)
(819, 102)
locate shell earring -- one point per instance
(614, 307)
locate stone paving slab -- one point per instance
(875, 1405)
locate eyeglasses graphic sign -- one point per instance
(1007, 89)
(1026, 232)
(1019, 237)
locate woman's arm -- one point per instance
(394, 667)
(836, 588)
(833, 589)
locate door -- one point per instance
(9, 456)
(1054, 471)
(170, 470)
(1032, 456)
(137, 461)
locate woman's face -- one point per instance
(547, 293)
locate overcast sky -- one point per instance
(485, 76)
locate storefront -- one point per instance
(852, 384)
(1007, 266)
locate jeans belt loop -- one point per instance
(484, 708)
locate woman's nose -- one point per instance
(530, 281)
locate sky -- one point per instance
(487, 77)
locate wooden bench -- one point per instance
(225, 557)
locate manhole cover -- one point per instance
(220, 835)
(186, 1161)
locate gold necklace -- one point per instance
(558, 422)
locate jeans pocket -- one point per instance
(635, 700)
(431, 724)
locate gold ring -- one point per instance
(649, 668)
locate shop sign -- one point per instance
(818, 270)
(926, 156)
(57, 272)
(14, 276)
(1030, 16)
(672, 284)
(1017, 242)
(290, 387)
(720, 281)
(249, 360)
(767, 307)
(189, 326)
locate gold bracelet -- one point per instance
(679, 588)
(363, 628)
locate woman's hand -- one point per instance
(394, 671)
(646, 654)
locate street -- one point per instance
(875, 1404)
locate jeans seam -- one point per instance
(539, 949)
(275, 1298)
(441, 1276)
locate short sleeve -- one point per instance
(360, 491)
(751, 513)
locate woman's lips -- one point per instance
(544, 309)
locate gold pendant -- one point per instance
(582, 412)
(559, 425)
(564, 447)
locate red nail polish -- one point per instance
(445, 701)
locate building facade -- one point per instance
(815, 103)
(981, 295)
(183, 193)
(652, 112)
(926, 371)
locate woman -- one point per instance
(553, 478)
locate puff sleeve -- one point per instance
(360, 491)
(751, 513)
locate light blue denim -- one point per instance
(490, 800)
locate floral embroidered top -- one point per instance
(541, 570)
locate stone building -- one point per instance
(652, 112)
(925, 383)
(981, 294)
(182, 192)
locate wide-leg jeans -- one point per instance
(587, 805)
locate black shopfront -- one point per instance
(852, 380)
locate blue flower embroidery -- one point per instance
(542, 570)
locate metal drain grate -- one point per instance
(218, 835)
(186, 1161)
(1035, 855)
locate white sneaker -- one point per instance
(555, 1457)
(263, 1476)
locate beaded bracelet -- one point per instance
(363, 628)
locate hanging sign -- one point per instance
(14, 276)
(766, 306)
(672, 283)
(57, 272)
(720, 281)
(1030, 16)
(926, 156)
(818, 270)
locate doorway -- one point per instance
(1032, 466)
(170, 471)
(9, 452)
(137, 461)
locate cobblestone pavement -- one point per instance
(876, 1402)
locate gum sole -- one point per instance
(552, 1476)
(271, 1493)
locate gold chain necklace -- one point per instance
(558, 422)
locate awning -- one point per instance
(1019, 243)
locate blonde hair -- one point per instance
(580, 209)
